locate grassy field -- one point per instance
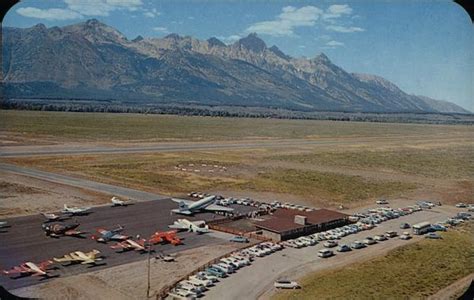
(414, 271)
(159, 173)
(446, 162)
(67, 126)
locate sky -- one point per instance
(423, 46)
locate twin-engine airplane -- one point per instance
(188, 207)
(110, 235)
(91, 257)
(56, 230)
(191, 226)
(30, 269)
(117, 202)
(76, 211)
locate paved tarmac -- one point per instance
(25, 240)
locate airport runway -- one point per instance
(25, 240)
(82, 183)
(22, 151)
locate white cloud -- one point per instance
(334, 44)
(102, 7)
(344, 29)
(152, 13)
(229, 39)
(285, 23)
(52, 14)
(161, 29)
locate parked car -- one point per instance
(330, 244)
(324, 253)
(344, 248)
(461, 205)
(405, 236)
(286, 284)
(433, 235)
(369, 241)
(438, 227)
(391, 234)
(379, 238)
(404, 226)
(381, 201)
(239, 239)
(358, 245)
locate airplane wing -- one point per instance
(119, 237)
(88, 261)
(215, 207)
(183, 212)
(73, 232)
(65, 258)
(177, 226)
(187, 202)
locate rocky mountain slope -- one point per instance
(91, 60)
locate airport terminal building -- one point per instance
(287, 224)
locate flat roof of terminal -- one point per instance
(284, 219)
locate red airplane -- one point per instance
(29, 268)
(165, 237)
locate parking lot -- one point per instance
(293, 263)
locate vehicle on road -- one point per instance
(324, 253)
(433, 235)
(286, 284)
(239, 239)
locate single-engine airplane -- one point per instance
(91, 257)
(110, 235)
(191, 226)
(117, 202)
(76, 211)
(56, 230)
(30, 269)
(129, 244)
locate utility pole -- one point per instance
(148, 267)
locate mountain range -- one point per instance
(91, 60)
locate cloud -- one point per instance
(334, 44)
(152, 13)
(229, 39)
(102, 7)
(285, 23)
(51, 14)
(344, 29)
(161, 29)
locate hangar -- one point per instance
(287, 224)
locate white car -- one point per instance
(286, 284)
(324, 253)
(330, 244)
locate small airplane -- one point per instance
(110, 235)
(188, 207)
(196, 226)
(129, 244)
(165, 237)
(76, 211)
(80, 257)
(56, 230)
(29, 268)
(117, 202)
(50, 217)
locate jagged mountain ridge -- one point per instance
(95, 61)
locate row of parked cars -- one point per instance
(197, 284)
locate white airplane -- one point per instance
(51, 217)
(75, 210)
(196, 226)
(117, 202)
(187, 207)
